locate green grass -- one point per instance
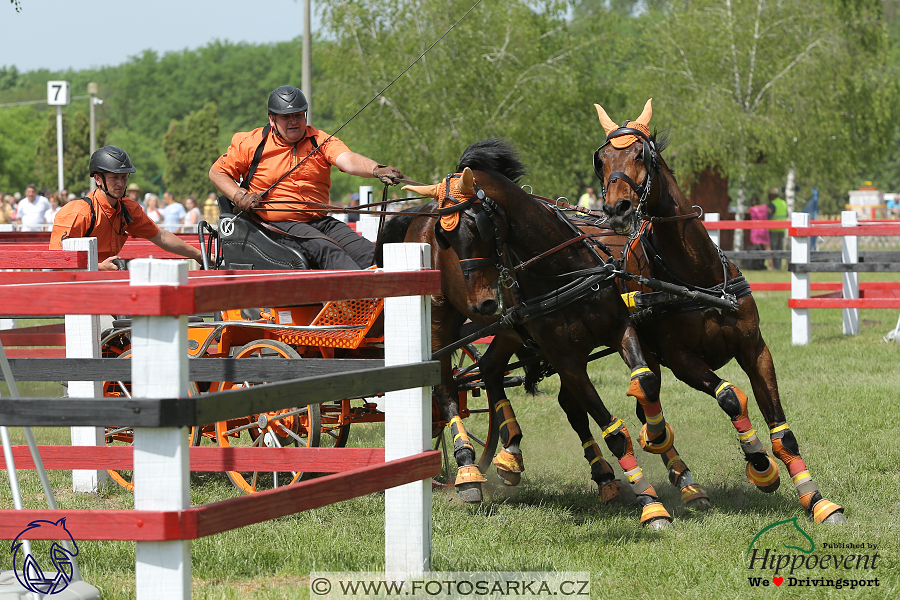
(840, 396)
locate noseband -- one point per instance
(642, 190)
(487, 221)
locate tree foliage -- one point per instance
(191, 147)
(76, 152)
(734, 81)
(754, 86)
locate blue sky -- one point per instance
(82, 34)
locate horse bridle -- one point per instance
(486, 221)
(651, 168)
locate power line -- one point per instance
(38, 101)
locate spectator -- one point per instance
(777, 212)
(134, 192)
(354, 202)
(8, 208)
(589, 200)
(759, 238)
(152, 208)
(192, 216)
(55, 206)
(812, 208)
(211, 208)
(31, 209)
(172, 213)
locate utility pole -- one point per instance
(92, 92)
(307, 59)
(58, 95)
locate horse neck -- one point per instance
(684, 245)
(534, 229)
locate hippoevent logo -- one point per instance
(30, 574)
(798, 564)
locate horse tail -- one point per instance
(493, 154)
(534, 371)
(394, 230)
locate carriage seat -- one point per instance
(246, 245)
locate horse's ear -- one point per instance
(644, 119)
(430, 191)
(608, 124)
(466, 182)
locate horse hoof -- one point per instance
(835, 519)
(767, 481)
(655, 516)
(469, 492)
(694, 496)
(611, 492)
(509, 477)
(658, 524)
(826, 511)
(699, 504)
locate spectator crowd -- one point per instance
(36, 209)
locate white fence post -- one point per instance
(800, 321)
(407, 426)
(83, 341)
(713, 233)
(850, 255)
(367, 226)
(159, 369)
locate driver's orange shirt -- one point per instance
(309, 182)
(110, 227)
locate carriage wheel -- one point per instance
(295, 426)
(480, 424)
(124, 436)
(334, 435)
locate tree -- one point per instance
(752, 87)
(76, 152)
(191, 146)
(512, 69)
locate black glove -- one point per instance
(388, 175)
(245, 200)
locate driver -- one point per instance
(110, 216)
(288, 140)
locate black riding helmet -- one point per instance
(110, 159)
(286, 100)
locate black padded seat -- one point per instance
(246, 245)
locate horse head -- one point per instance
(466, 225)
(628, 156)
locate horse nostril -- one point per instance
(607, 209)
(487, 307)
(622, 207)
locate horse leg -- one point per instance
(761, 470)
(573, 375)
(492, 366)
(657, 436)
(608, 487)
(761, 371)
(692, 494)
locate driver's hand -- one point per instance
(388, 175)
(245, 200)
(108, 264)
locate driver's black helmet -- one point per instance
(110, 159)
(286, 100)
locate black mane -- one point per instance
(493, 154)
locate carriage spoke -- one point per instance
(299, 439)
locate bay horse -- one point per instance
(667, 240)
(565, 302)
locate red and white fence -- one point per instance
(163, 523)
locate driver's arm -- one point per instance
(170, 242)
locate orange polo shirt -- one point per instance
(74, 219)
(309, 182)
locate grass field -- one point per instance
(840, 396)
